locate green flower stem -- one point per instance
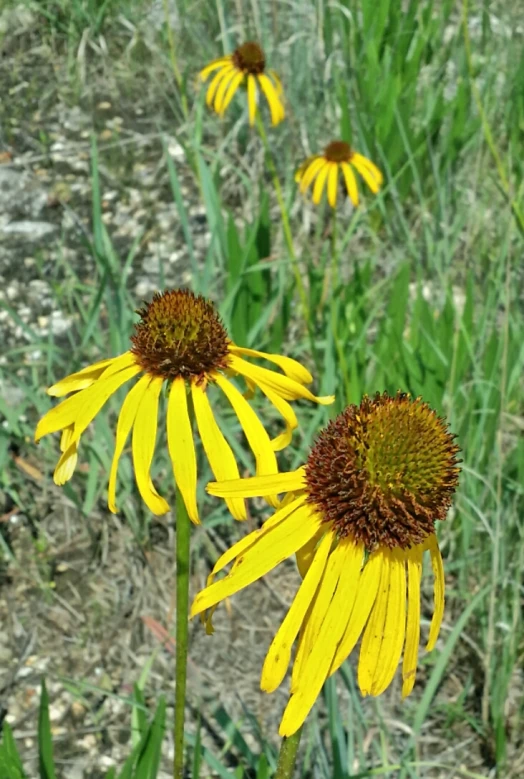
(183, 534)
(285, 219)
(174, 63)
(288, 756)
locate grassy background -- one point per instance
(426, 297)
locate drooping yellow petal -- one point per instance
(181, 447)
(305, 555)
(278, 84)
(316, 664)
(438, 592)
(367, 588)
(291, 367)
(268, 552)
(287, 388)
(143, 446)
(368, 177)
(255, 432)
(275, 105)
(290, 418)
(81, 408)
(252, 98)
(372, 638)
(279, 653)
(79, 380)
(222, 87)
(394, 625)
(313, 169)
(126, 420)
(365, 163)
(217, 449)
(245, 543)
(215, 83)
(66, 437)
(258, 486)
(315, 618)
(319, 183)
(232, 88)
(66, 464)
(214, 65)
(351, 183)
(332, 185)
(409, 664)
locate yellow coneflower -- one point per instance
(324, 169)
(359, 515)
(179, 340)
(245, 67)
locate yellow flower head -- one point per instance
(359, 515)
(246, 66)
(180, 341)
(338, 157)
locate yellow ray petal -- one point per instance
(66, 437)
(394, 625)
(213, 65)
(372, 638)
(367, 588)
(126, 420)
(319, 183)
(252, 98)
(332, 185)
(275, 105)
(79, 380)
(279, 653)
(80, 409)
(315, 618)
(438, 592)
(351, 183)
(316, 165)
(290, 418)
(409, 664)
(245, 543)
(365, 163)
(222, 87)
(317, 663)
(278, 84)
(182, 447)
(232, 88)
(215, 82)
(258, 486)
(306, 554)
(217, 449)
(287, 388)
(143, 446)
(366, 175)
(255, 432)
(66, 464)
(291, 367)
(268, 552)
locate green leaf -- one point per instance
(45, 743)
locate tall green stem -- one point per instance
(285, 220)
(183, 527)
(288, 756)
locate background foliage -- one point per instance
(421, 291)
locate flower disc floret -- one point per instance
(383, 471)
(180, 335)
(338, 151)
(250, 58)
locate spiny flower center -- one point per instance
(249, 58)
(338, 151)
(180, 335)
(384, 471)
